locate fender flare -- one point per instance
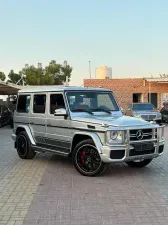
(94, 137)
(27, 129)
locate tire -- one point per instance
(85, 156)
(142, 163)
(0, 124)
(24, 148)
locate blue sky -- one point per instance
(131, 36)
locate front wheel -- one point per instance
(86, 159)
(139, 163)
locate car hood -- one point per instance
(121, 121)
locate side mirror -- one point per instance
(60, 112)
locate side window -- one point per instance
(23, 104)
(39, 104)
(56, 102)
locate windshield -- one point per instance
(91, 102)
(143, 107)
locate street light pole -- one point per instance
(89, 70)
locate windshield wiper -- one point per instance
(82, 110)
(101, 110)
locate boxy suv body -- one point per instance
(86, 124)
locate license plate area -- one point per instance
(139, 147)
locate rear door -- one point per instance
(38, 117)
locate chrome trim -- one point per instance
(128, 143)
(142, 141)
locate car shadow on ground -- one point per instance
(64, 164)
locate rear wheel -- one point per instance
(86, 159)
(139, 163)
(24, 148)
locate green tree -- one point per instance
(32, 75)
(2, 76)
(14, 77)
(53, 74)
(66, 71)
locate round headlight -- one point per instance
(113, 135)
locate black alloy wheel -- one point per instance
(24, 148)
(87, 160)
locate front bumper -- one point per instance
(124, 151)
(129, 151)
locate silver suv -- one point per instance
(85, 124)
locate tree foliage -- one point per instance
(14, 77)
(2, 76)
(52, 74)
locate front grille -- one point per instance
(145, 117)
(148, 117)
(152, 117)
(147, 134)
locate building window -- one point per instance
(39, 104)
(137, 97)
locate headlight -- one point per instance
(158, 115)
(114, 137)
(138, 116)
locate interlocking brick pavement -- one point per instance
(48, 191)
(19, 180)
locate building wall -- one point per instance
(104, 72)
(124, 88)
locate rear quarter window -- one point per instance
(23, 104)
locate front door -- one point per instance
(58, 127)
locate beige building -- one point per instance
(104, 72)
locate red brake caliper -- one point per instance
(82, 157)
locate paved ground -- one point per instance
(49, 191)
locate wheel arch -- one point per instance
(25, 128)
(81, 136)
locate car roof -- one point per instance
(55, 88)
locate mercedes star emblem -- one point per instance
(139, 135)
